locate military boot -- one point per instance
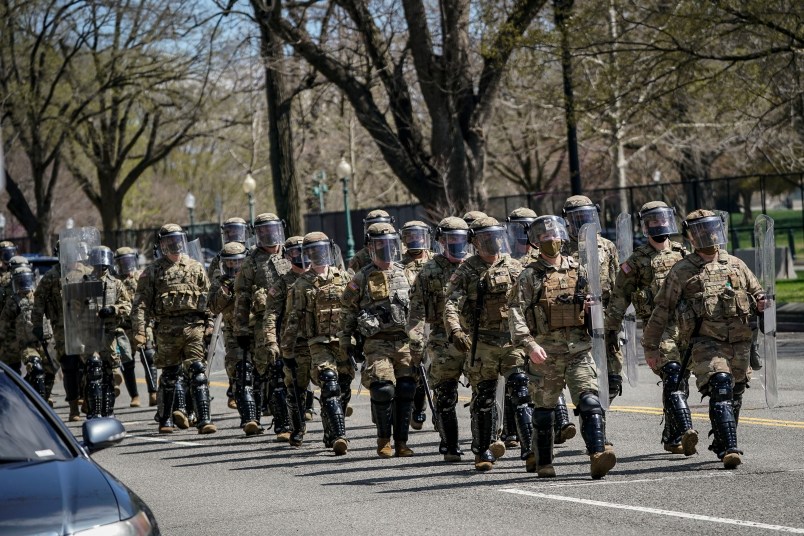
(384, 449)
(449, 436)
(418, 417)
(130, 378)
(151, 399)
(484, 461)
(381, 415)
(118, 381)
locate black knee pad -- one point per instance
(671, 372)
(170, 375)
(405, 388)
(486, 391)
(517, 387)
(589, 404)
(720, 388)
(70, 364)
(244, 373)
(329, 384)
(446, 395)
(382, 392)
(197, 370)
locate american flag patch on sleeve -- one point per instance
(626, 268)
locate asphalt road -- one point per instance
(228, 484)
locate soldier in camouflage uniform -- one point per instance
(16, 325)
(7, 250)
(173, 291)
(711, 294)
(375, 304)
(261, 270)
(638, 281)
(222, 301)
(472, 215)
(416, 238)
(272, 327)
(48, 304)
(232, 230)
(312, 311)
(363, 256)
(477, 299)
(548, 311)
(427, 302)
(102, 370)
(9, 357)
(579, 210)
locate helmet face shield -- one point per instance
(231, 265)
(385, 248)
(548, 229)
(101, 257)
(455, 243)
(518, 237)
(491, 241)
(270, 233)
(416, 238)
(7, 252)
(577, 217)
(23, 281)
(659, 222)
(173, 244)
(295, 254)
(234, 232)
(706, 232)
(319, 253)
(126, 264)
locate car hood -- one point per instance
(55, 498)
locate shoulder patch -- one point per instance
(352, 285)
(272, 291)
(626, 268)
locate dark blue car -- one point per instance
(48, 483)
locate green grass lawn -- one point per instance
(782, 218)
(790, 290)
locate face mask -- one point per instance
(711, 250)
(551, 249)
(660, 238)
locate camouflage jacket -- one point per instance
(16, 327)
(462, 294)
(721, 294)
(638, 281)
(609, 264)
(361, 259)
(170, 290)
(549, 299)
(275, 305)
(313, 308)
(259, 272)
(428, 299)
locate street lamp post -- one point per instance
(344, 171)
(189, 204)
(249, 185)
(129, 232)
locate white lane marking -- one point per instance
(160, 440)
(657, 511)
(696, 476)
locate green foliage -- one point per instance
(790, 290)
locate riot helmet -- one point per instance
(415, 236)
(318, 248)
(7, 250)
(579, 210)
(489, 237)
(126, 259)
(548, 229)
(16, 261)
(658, 220)
(383, 243)
(517, 225)
(22, 279)
(453, 235)
(473, 215)
(234, 230)
(232, 256)
(294, 252)
(376, 216)
(269, 229)
(705, 230)
(101, 257)
(172, 240)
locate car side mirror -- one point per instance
(101, 433)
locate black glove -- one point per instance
(106, 312)
(292, 364)
(39, 333)
(244, 342)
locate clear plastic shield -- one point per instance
(194, 251)
(765, 270)
(625, 247)
(82, 295)
(216, 352)
(587, 247)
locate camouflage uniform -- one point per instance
(313, 309)
(174, 295)
(494, 355)
(363, 257)
(375, 304)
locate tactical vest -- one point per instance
(323, 307)
(555, 306)
(654, 267)
(174, 292)
(494, 315)
(434, 290)
(387, 297)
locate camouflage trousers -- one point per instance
(386, 361)
(668, 349)
(124, 346)
(569, 362)
(260, 354)
(179, 342)
(710, 356)
(614, 353)
(446, 361)
(233, 353)
(493, 360)
(314, 359)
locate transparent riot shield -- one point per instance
(194, 251)
(216, 352)
(765, 270)
(82, 295)
(587, 248)
(625, 247)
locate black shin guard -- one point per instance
(509, 430)
(108, 391)
(244, 393)
(278, 400)
(199, 385)
(593, 422)
(382, 396)
(561, 419)
(674, 398)
(517, 389)
(482, 414)
(35, 375)
(130, 378)
(345, 384)
(403, 406)
(721, 414)
(94, 387)
(297, 422)
(446, 397)
(543, 435)
(166, 396)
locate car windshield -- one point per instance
(26, 434)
